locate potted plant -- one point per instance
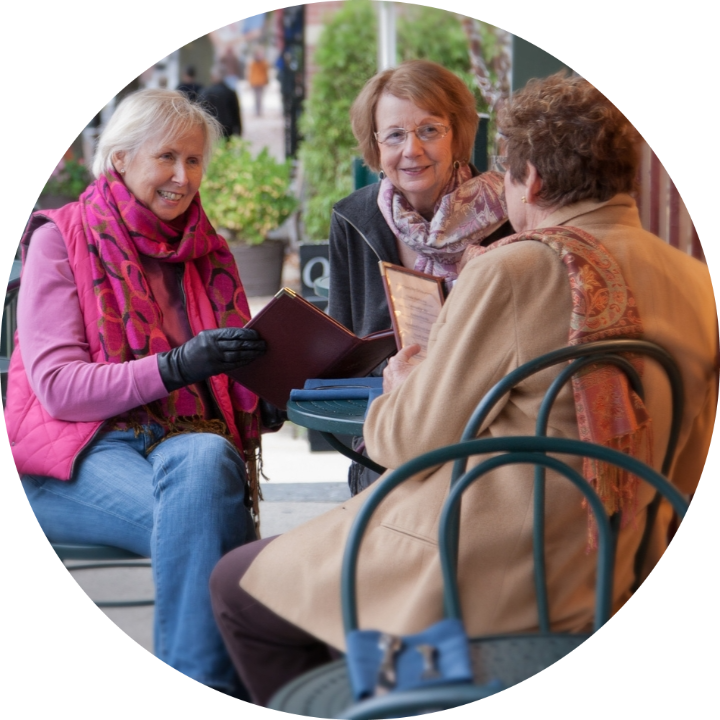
(246, 196)
(66, 183)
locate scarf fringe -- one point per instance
(254, 465)
(616, 488)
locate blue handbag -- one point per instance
(380, 662)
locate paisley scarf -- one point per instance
(118, 229)
(608, 411)
(467, 211)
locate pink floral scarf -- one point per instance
(119, 228)
(468, 210)
(608, 411)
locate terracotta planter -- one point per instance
(260, 266)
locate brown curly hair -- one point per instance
(431, 87)
(582, 146)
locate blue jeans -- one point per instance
(181, 505)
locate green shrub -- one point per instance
(249, 195)
(69, 179)
(426, 33)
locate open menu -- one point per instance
(415, 300)
(302, 343)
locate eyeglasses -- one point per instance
(425, 133)
(499, 163)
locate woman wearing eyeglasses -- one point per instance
(416, 125)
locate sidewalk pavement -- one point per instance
(267, 130)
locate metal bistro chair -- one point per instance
(498, 661)
(325, 692)
(578, 357)
(102, 557)
(8, 323)
(87, 557)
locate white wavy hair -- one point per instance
(147, 114)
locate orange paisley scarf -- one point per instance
(608, 411)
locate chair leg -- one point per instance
(106, 565)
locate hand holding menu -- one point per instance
(302, 343)
(415, 300)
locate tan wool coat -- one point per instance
(508, 306)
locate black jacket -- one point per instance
(359, 239)
(223, 103)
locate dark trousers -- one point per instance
(266, 650)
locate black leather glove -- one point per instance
(210, 352)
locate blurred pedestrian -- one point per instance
(258, 77)
(223, 103)
(232, 67)
(188, 84)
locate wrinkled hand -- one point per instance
(399, 367)
(210, 352)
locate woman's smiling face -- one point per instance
(165, 174)
(419, 170)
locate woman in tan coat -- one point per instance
(572, 163)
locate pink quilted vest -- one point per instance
(41, 444)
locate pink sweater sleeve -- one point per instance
(55, 350)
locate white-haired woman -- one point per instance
(124, 429)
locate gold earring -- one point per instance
(524, 199)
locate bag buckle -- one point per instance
(390, 645)
(429, 655)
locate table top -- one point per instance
(340, 417)
(322, 286)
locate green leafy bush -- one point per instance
(426, 33)
(246, 194)
(69, 179)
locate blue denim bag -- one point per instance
(380, 662)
